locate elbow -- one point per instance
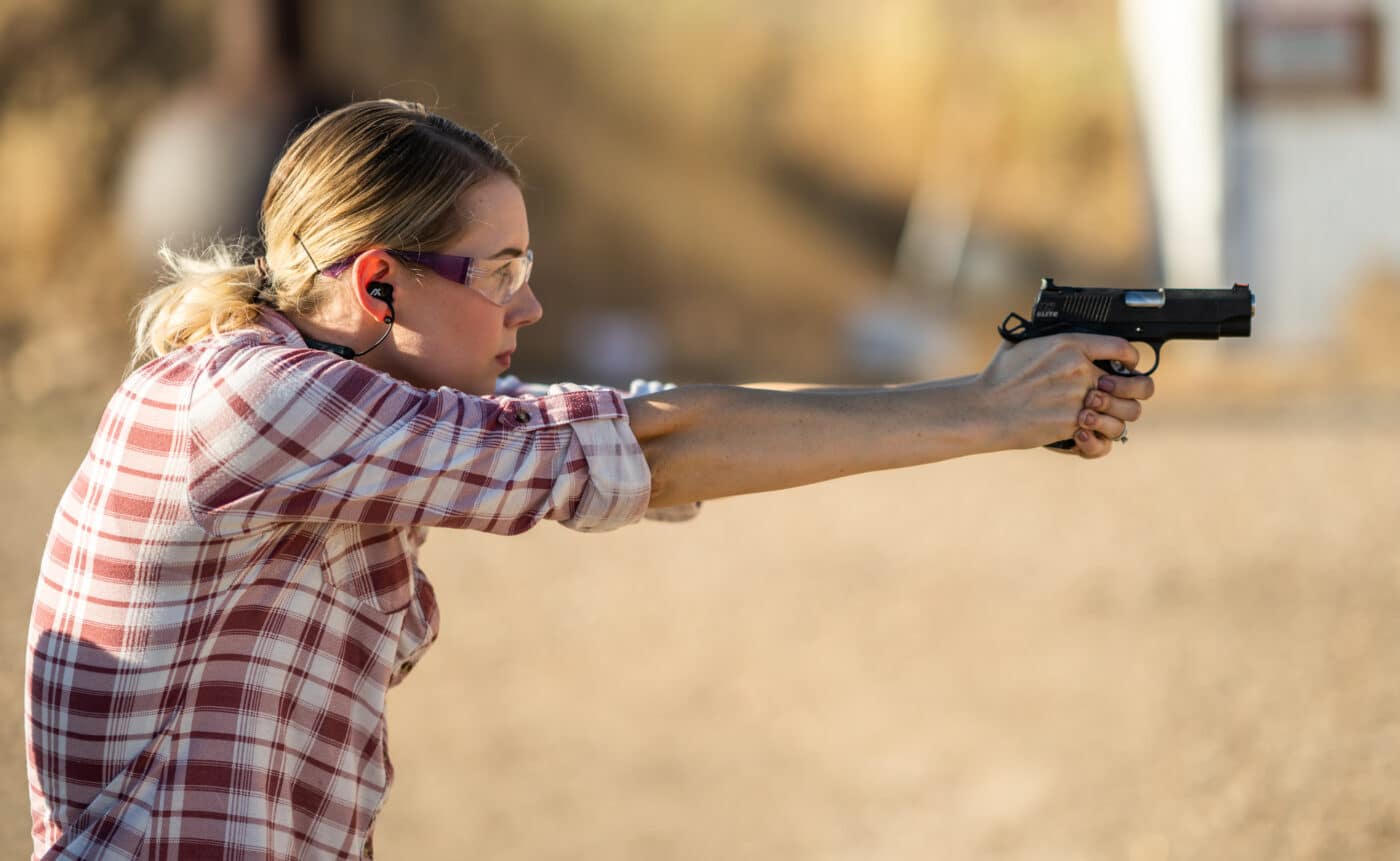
(665, 428)
(659, 466)
(668, 484)
(660, 493)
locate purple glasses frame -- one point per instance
(513, 273)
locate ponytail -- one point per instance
(203, 294)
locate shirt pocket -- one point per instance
(373, 565)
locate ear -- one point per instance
(370, 273)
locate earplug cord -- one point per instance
(377, 289)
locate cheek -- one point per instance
(470, 334)
(481, 331)
(456, 316)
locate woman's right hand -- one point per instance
(1048, 389)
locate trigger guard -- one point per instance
(1116, 367)
(1156, 359)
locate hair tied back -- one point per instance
(266, 293)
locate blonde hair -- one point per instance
(377, 174)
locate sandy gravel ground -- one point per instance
(1184, 651)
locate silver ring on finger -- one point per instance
(1122, 437)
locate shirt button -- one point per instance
(522, 416)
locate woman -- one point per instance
(230, 585)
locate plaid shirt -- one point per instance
(230, 588)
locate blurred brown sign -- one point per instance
(1288, 53)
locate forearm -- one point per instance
(826, 388)
(704, 442)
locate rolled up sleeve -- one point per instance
(512, 385)
(279, 434)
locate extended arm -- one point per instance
(704, 442)
(849, 390)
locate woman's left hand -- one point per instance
(1107, 411)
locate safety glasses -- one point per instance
(497, 280)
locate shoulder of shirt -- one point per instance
(270, 359)
(272, 350)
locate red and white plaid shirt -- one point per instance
(230, 588)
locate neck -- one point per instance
(343, 326)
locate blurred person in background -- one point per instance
(230, 585)
(196, 168)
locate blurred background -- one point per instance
(1178, 652)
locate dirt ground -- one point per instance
(1183, 651)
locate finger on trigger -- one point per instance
(1098, 347)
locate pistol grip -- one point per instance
(1117, 368)
(1112, 366)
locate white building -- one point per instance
(1272, 133)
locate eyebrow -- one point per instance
(506, 252)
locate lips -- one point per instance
(504, 358)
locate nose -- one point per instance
(524, 309)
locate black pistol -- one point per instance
(1152, 317)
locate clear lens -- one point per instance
(502, 283)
